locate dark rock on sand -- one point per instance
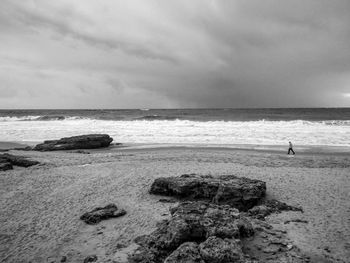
(271, 206)
(242, 193)
(8, 160)
(4, 166)
(199, 231)
(91, 141)
(102, 213)
(17, 160)
(190, 222)
(209, 227)
(92, 258)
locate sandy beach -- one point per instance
(41, 205)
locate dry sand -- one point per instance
(41, 205)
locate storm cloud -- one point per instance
(169, 54)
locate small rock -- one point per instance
(5, 166)
(64, 259)
(102, 213)
(92, 258)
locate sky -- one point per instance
(174, 53)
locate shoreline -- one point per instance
(282, 149)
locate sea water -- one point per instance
(202, 127)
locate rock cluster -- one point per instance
(209, 228)
(7, 161)
(91, 141)
(102, 213)
(242, 193)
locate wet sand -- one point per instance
(41, 205)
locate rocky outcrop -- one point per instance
(91, 141)
(268, 207)
(207, 227)
(102, 213)
(242, 193)
(4, 166)
(204, 232)
(190, 222)
(7, 161)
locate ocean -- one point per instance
(198, 127)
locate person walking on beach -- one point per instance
(291, 148)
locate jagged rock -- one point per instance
(187, 252)
(17, 160)
(271, 206)
(240, 192)
(189, 222)
(8, 160)
(92, 258)
(217, 250)
(5, 166)
(90, 141)
(102, 213)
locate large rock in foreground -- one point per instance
(193, 222)
(90, 141)
(240, 192)
(202, 232)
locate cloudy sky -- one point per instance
(171, 54)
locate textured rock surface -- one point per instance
(199, 231)
(239, 192)
(188, 252)
(209, 228)
(4, 166)
(90, 141)
(102, 213)
(8, 160)
(190, 222)
(271, 206)
(217, 250)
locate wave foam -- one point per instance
(263, 132)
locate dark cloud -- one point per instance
(176, 53)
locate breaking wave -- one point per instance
(155, 130)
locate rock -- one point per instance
(17, 160)
(92, 258)
(277, 206)
(5, 166)
(63, 259)
(187, 252)
(8, 160)
(271, 206)
(102, 213)
(189, 222)
(245, 227)
(260, 211)
(217, 250)
(90, 141)
(296, 220)
(239, 192)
